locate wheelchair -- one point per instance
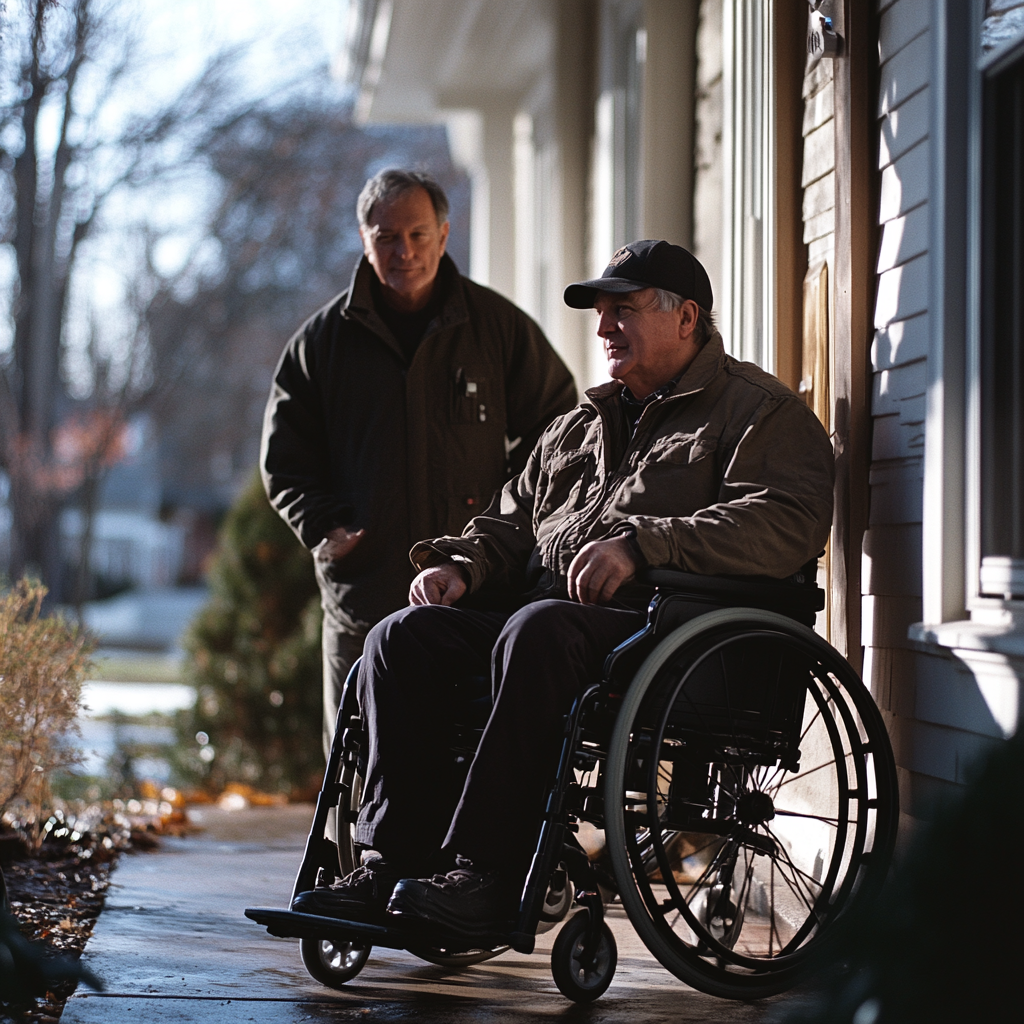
(741, 774)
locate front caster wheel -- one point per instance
(583, 975)
(333, 962)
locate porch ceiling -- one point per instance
(458, 54)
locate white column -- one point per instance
(667, 132)
(481, 142)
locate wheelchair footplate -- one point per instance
(293, 924)
(405, 933)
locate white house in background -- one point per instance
(129, 546)
(130, 543)
(861, 214)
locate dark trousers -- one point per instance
(539, 658)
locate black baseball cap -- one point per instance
(647, 264)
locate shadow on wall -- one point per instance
(944, 942)
(945, 714)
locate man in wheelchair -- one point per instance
(687, 459)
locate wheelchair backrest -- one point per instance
(749, 693)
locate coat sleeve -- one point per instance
(774, 507)
(293, 451)
(538, 387)
(497, 544)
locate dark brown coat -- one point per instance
(355, 436)
(730, 474)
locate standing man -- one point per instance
(392, 412)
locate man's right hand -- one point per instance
(337, 544)
(443, 584)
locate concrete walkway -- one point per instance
(172, 945)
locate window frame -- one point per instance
(987, 67)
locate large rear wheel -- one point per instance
(750, 800)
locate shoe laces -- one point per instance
(369, 873)
(464, 871)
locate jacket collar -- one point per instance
(699, 374)
(359, 304)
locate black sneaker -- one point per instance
(465, 900)
(362, 895)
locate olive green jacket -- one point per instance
(355, 435)
(729, 474)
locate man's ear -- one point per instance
(445, 228)
(688, 313)
(365, 241)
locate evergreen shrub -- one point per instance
(253, 654)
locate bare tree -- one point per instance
(67, 66)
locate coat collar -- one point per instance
(359, 304)
(699, 374)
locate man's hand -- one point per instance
(443, 584)
(600, 568)
(337, 544)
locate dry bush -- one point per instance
(43, 660)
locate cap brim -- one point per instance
(582, 294)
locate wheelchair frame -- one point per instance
(608, 736)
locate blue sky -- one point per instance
(284, 41)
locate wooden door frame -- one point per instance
(789, 27)
(855, 82)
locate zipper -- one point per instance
(614, 476)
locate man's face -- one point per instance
(645, 346)
(404, 244)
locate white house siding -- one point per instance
(817, 177)
(937, 718)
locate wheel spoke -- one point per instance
(803, 775)
(712, 866)
(700, 849)
(834, 822)
(748, 878)
(798, 873)
(800, 892)
(807, 728)
(765, 783)
(772, 929)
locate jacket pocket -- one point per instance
(570, 476)
(468, 403)
(680, 450)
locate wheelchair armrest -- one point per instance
(785, 596)
(681, 596)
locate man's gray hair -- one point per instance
(668, 302)
(394, 182)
